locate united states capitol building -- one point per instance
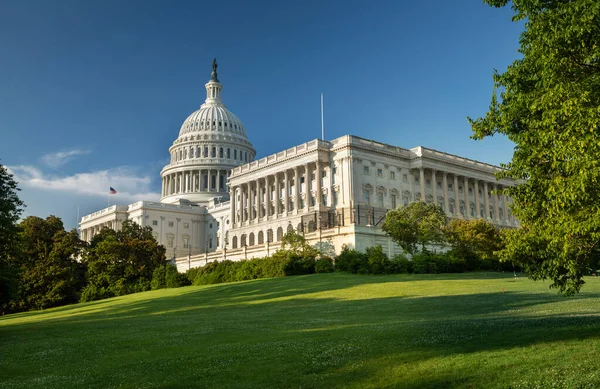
(218, 201)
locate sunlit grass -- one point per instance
(321, 331)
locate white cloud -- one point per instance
(129, 183)
(62, 157)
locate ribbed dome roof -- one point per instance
(213, 116)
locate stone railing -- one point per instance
(105, 211)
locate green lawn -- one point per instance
(318, 331)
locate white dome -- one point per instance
(211, 142)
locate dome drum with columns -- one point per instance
(211, 142)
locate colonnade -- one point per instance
(196, 180)
(494, 206)
(88, 233)
(277, 195)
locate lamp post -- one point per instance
(206, 252)
(225, 241)
(189, 257)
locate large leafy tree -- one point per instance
(548, 103)
(121, 262)
(11, 208)
(474, 240)
(49, 273)
(417, 224)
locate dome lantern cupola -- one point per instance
(212, 141)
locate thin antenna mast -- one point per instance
(322, 121)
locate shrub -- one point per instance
(352, 261)
(400, 265)
(324, 265)
(93, 293)
(378, 261)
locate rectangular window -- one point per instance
(324, 173)
(470, 191)
(234, 154)
(428, 183)
(334, 197)
(210, 243)
(393, 175)
(380, 199)
(450, 188)
(185, 243)
(439, 185)
(460, 189)
(379, 172)
(404, 178)
(393, 198)
(228, 153)
(186, 225)
(324, 200)
(170, 224)
(154, 222)
(366, 169)
(367, 196)
(170, 240)
(302, 180)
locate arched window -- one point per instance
(261, 235)
(234, 242)
(221, 152)
(279, 234)
(311, 226)
(243, 240)
(228, 153)
(235, 154)
(214, 152)
(251, 239)
(205, 151)
(269, 235)
(290, 228)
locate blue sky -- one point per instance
(93, 93)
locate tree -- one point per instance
(474, 240)
(49, 274)
(11, 208)
(295, 244)
(547, 103)
(416, 224)
(121, 262)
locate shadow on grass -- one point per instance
(278, 323)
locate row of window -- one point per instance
(212, 152)
(207, 124)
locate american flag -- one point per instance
(112, 191)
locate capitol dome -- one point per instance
(212, 141)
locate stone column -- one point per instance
(496, 212)
(276, 196)
(259, 200)
(250, 202)
(193, 189)
(505, 207)
(422, 183)
(486, 203)
(318, 184)
(233, 204)
(218, 180)
(456, 199)
(286, 191)
(306, 187)
(445, 184)
(477, 203)
(240, 209)
(297, 189)
(467, 199)
(434, 183)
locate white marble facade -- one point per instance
(218, 202)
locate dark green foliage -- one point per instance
(547, 102)
(49, 274)
(324, 265)
(400, 264)
(229, 271)
(433, 263)
(167, 276)
(122, 262)
(11, 208)
(352, 261)
(379, 262)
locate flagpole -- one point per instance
(108, 199)
(322, 121)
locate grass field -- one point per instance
(318, 331)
